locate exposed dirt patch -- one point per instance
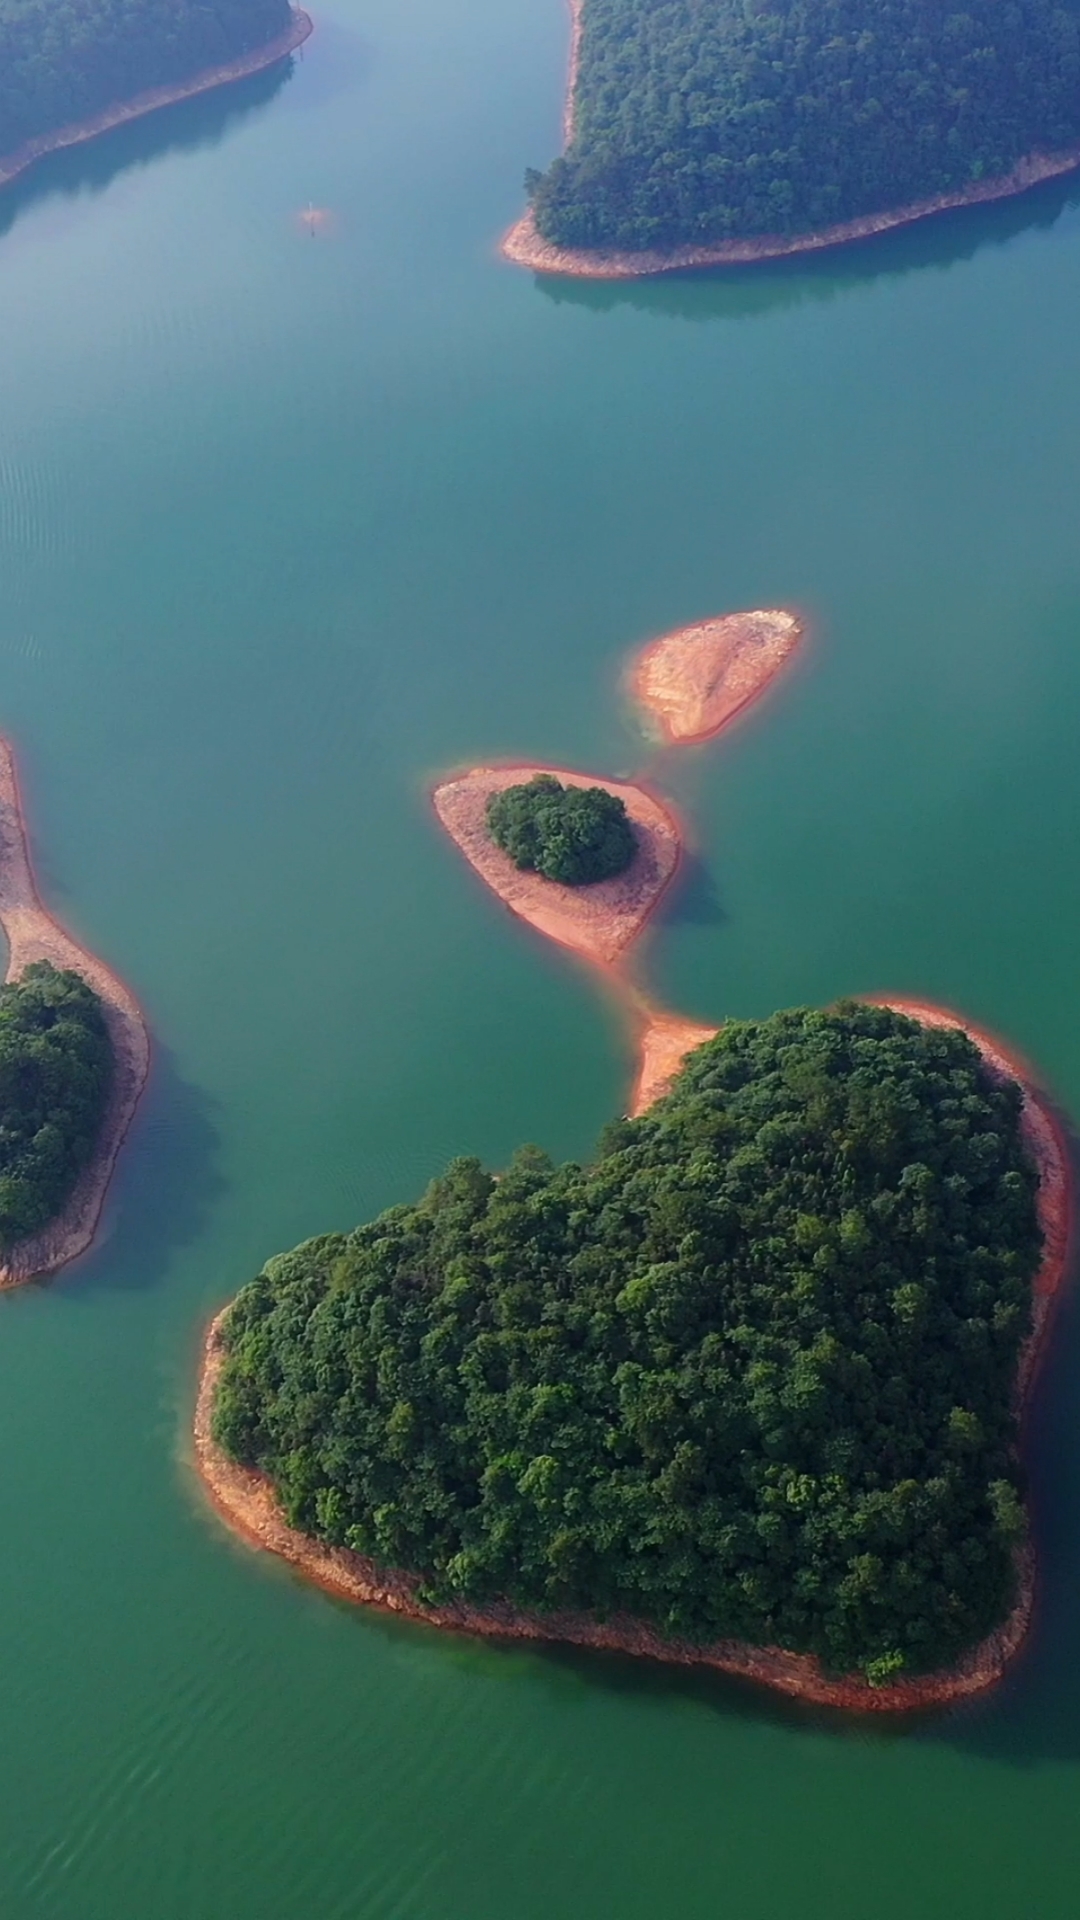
(694, 681)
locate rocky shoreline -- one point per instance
(524, 246)
(33, 934)
(77, 131)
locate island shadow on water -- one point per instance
(725, 293)
(186, 125)
(695, 898)
(166, 1184)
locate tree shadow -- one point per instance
(695, 899)
(165, 1186)
(186, 125)
(939, 242)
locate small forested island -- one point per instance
(698, 127)
(576, 835)
(743, 1390)
(56, 1072)
(68, 70)
(586, 863)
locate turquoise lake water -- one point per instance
(288, 525)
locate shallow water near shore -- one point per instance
(288, 526)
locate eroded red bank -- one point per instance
(246, 1500)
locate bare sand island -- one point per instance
(246, 1500)
(524, 246)
(33, 934)
(694, 681)
(73, 135)
(598, 921)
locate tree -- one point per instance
(65, 60)
(577, 835)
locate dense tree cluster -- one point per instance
(573, 834)
(751, 1373)
(704, 120)
(63, 60)
(56, 1066)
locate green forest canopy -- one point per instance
(574, 834)
(698, 121)
(56, 1067)
(750, 1374)
(63, 60)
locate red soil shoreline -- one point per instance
(664, 1040)
(598, 922)
(245, 1500)
(694, 681)
(33, 934)
(77, 131)
(523, 246)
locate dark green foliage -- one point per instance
(56, 1065)
(751, 1374)
(573, 834)
(703, 120)
(63, 60)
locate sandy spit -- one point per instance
(246, 1501)
(524, 246)
(694, 681)
(12, 164)
(33, 934)
(664, 1041)
(598, 921)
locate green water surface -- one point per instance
(288, 525)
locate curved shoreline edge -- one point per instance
(78, 131)
(33, 934)
(523, 246)
(245, 1500)
(692, 683)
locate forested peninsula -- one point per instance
(745, 1390)
(69, 69)
(74, 1056)
(56, 1071)
(704, 127)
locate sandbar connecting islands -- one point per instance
(33, 934)
(693, 682)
